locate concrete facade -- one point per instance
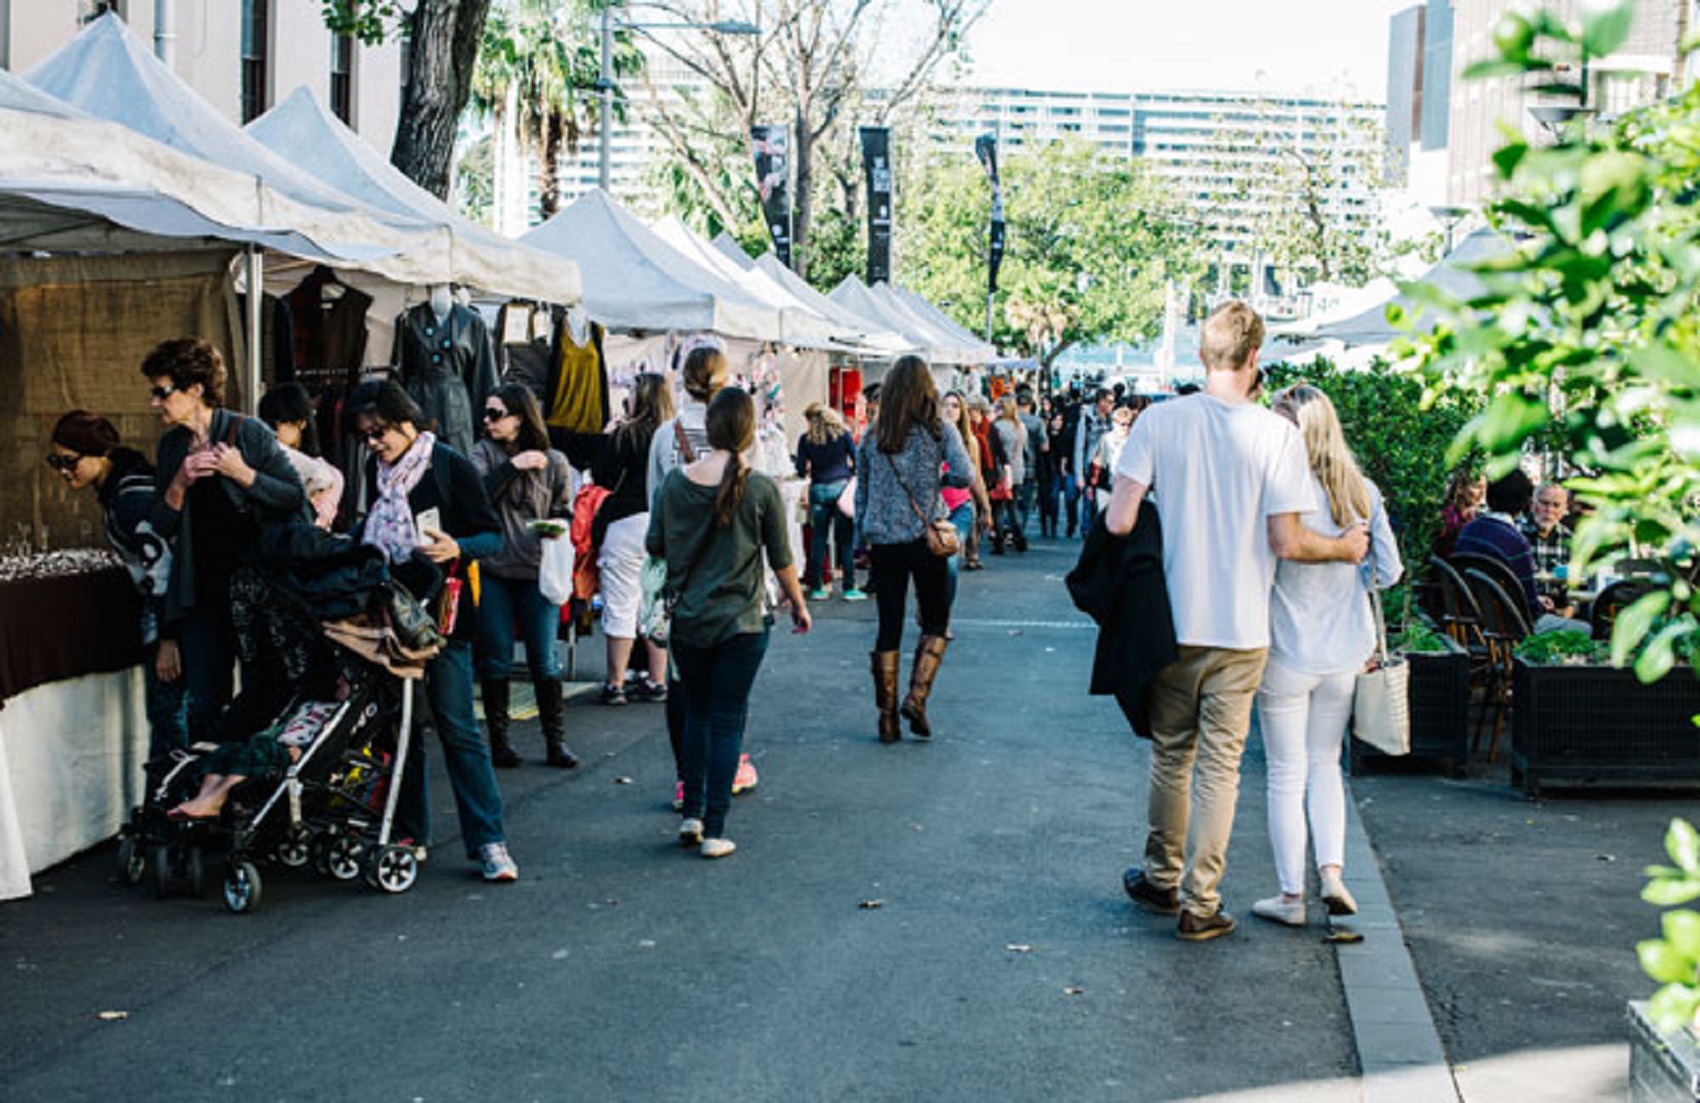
(207, 49)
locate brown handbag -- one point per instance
(942, 538)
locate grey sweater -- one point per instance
(884, 514)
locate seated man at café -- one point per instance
(1549, 537)
(1494, 532)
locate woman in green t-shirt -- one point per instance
(711, 522)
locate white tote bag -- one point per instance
(555, 573)
(1381, 702)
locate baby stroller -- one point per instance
(330, 709)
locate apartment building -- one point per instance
(242, 56)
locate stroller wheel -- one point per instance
(131, 859)
(392, 869)
(160, 860)
(195, 869)
(294, 851)
(242, 887)
(338, 857)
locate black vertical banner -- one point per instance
(986, 149)
(772, 145)
(876, 168)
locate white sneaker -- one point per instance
(1278, 909)
(690, 832)
(498, 866)
(1334, 894)
(718, 848)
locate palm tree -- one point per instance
(537, 72)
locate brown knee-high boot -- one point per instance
(884, 665)
(929, 653)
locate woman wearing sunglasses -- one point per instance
(428, 503)
(86, 453)
(221, 478)
(527, 482)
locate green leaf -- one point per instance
(1667, 364)
(1633, 624)
(1682, 843)
(1682, 930)
(1672, 1007)
(1510, 419)
(1669, 893)
(1664, 962)
(1482, 70)
(1657, 658)
(1606, 27)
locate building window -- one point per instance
(342, 77)
(256, 42)
(90, 10)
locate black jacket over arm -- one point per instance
(1119, 583)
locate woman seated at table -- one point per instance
(86, 452)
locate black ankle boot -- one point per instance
(552, 716)
(495, 694)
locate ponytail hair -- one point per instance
(731, 424)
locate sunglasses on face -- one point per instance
(375, 433)
(494, 413)
(163, 393)
(63, 463)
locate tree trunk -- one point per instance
(549, 170)
(445, 35)
(802, 200)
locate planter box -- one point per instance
(1597, 725)
(1663, 1068)
(1440, 712)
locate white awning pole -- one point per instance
(256, 289)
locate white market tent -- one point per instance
(301, 129)
(635, 281)
(800, 326)
(853, 295)
(877, 340)
(1452, 274)
(109, 73)
(924, 307)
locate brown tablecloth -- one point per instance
(66, 626)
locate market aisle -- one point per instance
(937, 921)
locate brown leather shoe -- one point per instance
(1147, 895)
(1202, 928)
(884, 667)
(929, 654)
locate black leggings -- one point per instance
(893, 566)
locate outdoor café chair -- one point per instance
(1504, 624)
(1613, 600)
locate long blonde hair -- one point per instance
(1325, 445)
(825, 426)
(963, 428)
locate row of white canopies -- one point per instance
(109, 151)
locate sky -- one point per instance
(1331, 47)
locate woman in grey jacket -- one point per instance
(527, 481)
(897, 496)
(221, 476)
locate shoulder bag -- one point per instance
(942, 538)
(1381, 703)
(656, 599)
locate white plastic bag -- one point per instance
(555, 574)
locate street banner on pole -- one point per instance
(876, 168)
(772, 145)
(986, 149)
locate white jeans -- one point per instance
(1304, 719)
(619, 567)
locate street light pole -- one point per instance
(605, 93)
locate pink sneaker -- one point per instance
(747, 777)
(678, 796)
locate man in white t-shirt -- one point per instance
(1229, 480)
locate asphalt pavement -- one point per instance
(937, 921)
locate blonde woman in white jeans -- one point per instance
(1321, 634)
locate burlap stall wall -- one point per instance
(73, 331)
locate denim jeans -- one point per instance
(466, 757)
(1050, 489)
(500, 601)
(1025, 493)
(207, 640)
(717, 682)
(963, 518)
(168, 720)
(894, 566)
(824, 520)
(1071, 502)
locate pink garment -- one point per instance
(953, 496)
